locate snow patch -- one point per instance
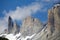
(17, 36)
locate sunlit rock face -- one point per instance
(50, 21)
(54, 19)
(54, 23)
(42, 35)
(30, 26)
(57, 17)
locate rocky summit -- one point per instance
(12, 26)
(30, 26)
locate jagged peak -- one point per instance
(10, 17)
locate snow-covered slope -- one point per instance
(17, 36)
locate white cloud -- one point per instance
(23, 12)
(2, 25)
(19, 14)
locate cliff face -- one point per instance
(54, 23)
(50, 21)
(57, 17)
(10, 24)
(30, 26)
(52, 30)
(54, 19)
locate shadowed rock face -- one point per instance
(10, 24)
(30, 26)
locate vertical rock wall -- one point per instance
(57, 17)
(10, 24)
(50, 21)
(52, 31)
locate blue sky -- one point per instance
(20, 9)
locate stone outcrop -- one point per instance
(12, 26)
(14, 29)
(30, 26)
(50, 21)
(54, 19)
(57, 17)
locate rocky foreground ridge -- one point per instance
(30, 26)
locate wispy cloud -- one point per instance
(2, 25)
(23, 12)
(19, 13)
